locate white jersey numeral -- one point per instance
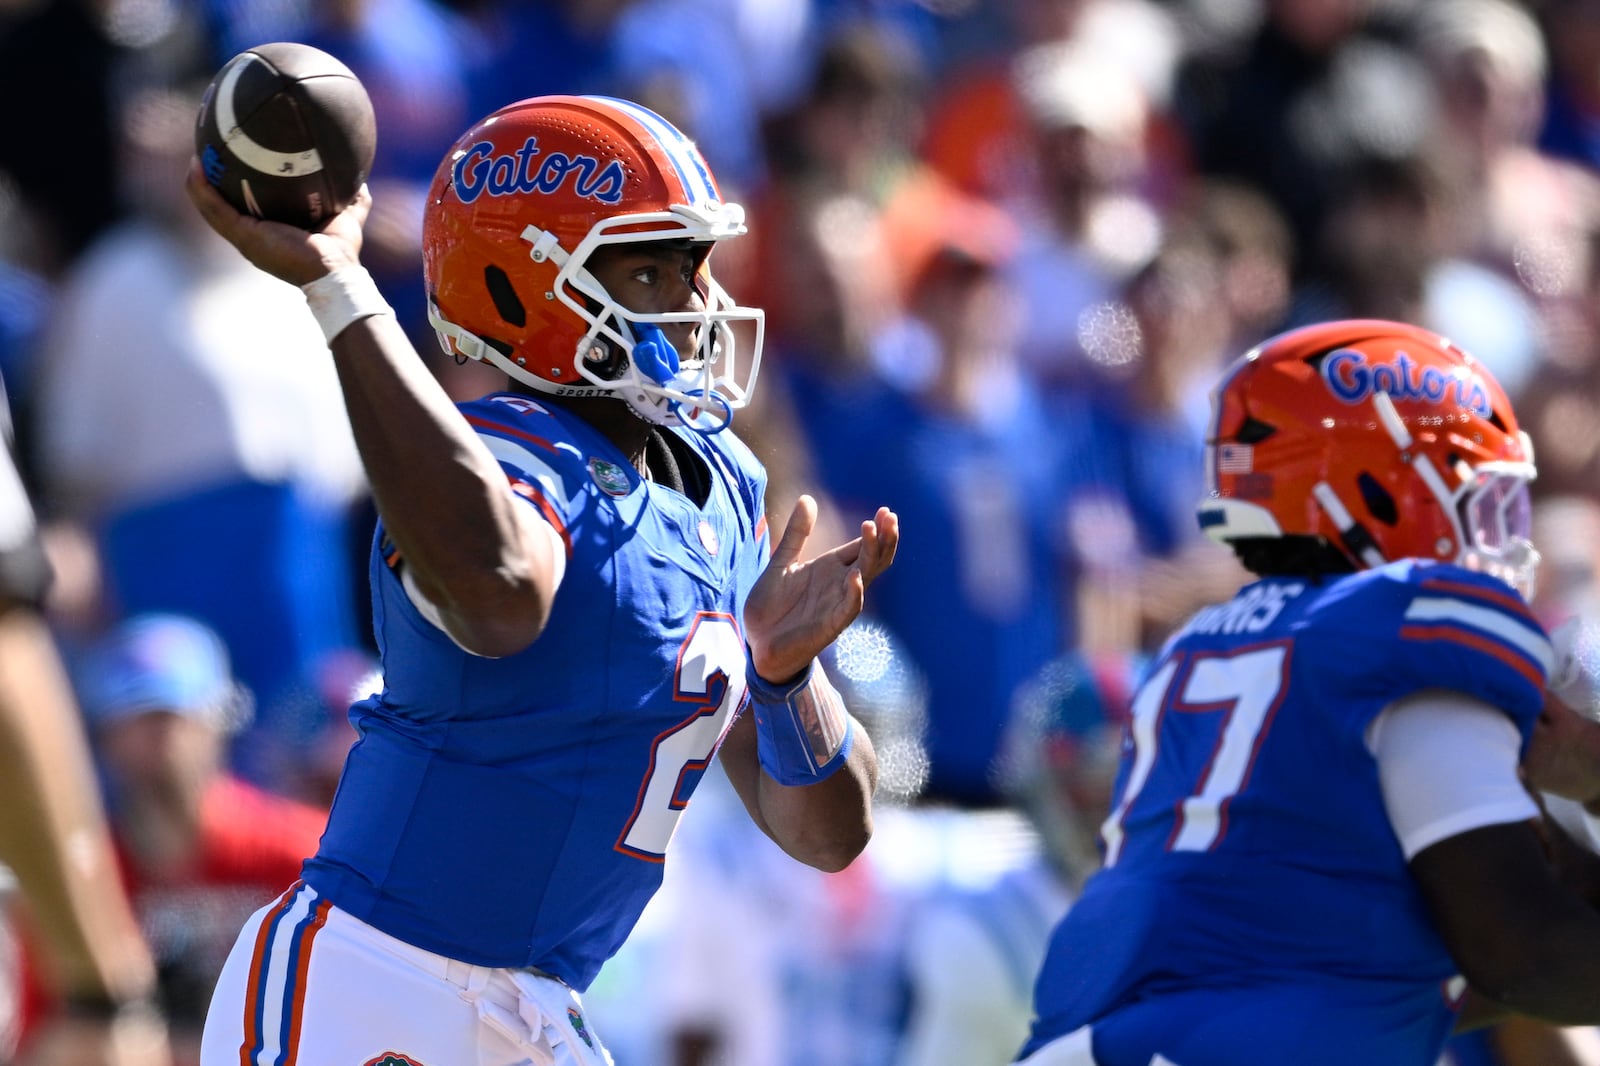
(1246, 687)
(710, 678)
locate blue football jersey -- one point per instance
(515, 811)
(1254, 905)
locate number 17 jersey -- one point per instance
(1254, 902)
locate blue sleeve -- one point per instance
(1406, 627)
(541, 463)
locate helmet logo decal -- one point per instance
(1352, 379)
(479, 171)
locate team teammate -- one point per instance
(1318, 829)
(573, 591)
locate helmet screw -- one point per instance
(521, 361)
(1444, 546)
(549, 296)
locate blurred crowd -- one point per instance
(1004, 247)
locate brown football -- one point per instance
(286, 132)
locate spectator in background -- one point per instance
(53, 834)
(196, 436)
(853, 129)
(1135, 428)
(1559, 401)
(1568, 528)
(971, 955)
(821, 270)
(1086, 224)
(1572, 103)
(977, 132)
(200, 848)
(1318, 86)
(958, 435)
(1375, 244)
(1511, 220)
(762, 49)
(74, 204)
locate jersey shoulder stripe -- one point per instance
(531, 492)
(1502, 598)
(1514, 640)
(485, 425)
(530, 467)
(1413, 625)
(1476, 642)
(540, 468)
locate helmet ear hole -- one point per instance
(504, 296)
(1380, 504)
(1254, 431)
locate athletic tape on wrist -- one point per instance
(803, 732)
(345, 296)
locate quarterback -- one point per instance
(576, 599)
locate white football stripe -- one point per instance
(1521, 636)
(251, 154)
(686, 158)
(529, 463)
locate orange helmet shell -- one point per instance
(520, 201)
(1302, 429)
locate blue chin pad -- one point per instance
(654, 355)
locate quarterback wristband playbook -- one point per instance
(803, 731)
(345, 296)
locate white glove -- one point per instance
(1575, 676)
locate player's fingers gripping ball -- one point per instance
(286, 132)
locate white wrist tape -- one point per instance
(347, 295)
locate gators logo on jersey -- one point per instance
(612, 479)
(392, 1058)
(577, 1023)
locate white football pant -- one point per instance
(308, 985)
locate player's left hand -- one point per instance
(797, 609)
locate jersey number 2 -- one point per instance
(710, 677)
(1246, 687)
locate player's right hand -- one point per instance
(286, 252)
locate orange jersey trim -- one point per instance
(1506, 601)
(1479, 643)
(298, 1010)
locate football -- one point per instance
(286, 132)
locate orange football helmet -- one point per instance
(515, 210)
(1385, 439)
